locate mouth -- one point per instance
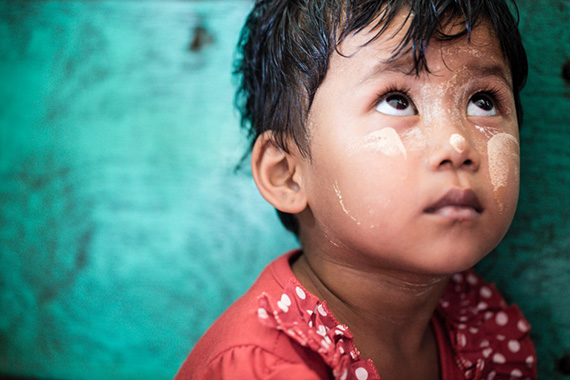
(457, 204)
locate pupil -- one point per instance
(398, 102)
(484, 104)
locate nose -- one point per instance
(452, 150)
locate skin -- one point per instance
(372, 246)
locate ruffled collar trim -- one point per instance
(489, 339)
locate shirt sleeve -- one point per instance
(252, 362)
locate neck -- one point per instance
(388, 311)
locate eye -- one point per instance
(396, 104)
(481, 105)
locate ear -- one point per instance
(277, 175)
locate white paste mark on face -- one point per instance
(414, 138)
(503, 155)
(341, 201)
(457, 142)
(385, 141)
(435, 108)
(488, 132)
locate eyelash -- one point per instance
(493, 93)
(391, 90)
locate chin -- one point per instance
(457, 261)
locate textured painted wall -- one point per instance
(532, 265)
(124, 231)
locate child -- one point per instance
(385, 133)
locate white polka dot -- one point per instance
(516, 373)
(462, 326)
(473, 330)
(472, 279)
(284, 303)
(482, 306)
(361, 373)
(514, 346)
(487, 352)
(499, 358)
(461, 340)
(457, 277)
(501, 337)
(322, 311)
(321, 330)
(523, 326)
(300, 293)
(484, 343)
(529, 361)
(444, 304)
(344, 375)
(502, 318)
(262, 313)
(485, 292)
(480, 364)
(488, 315)
(310, 312)
(491, 375)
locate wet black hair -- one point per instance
(285, 47)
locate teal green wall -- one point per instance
(532, 265)
(124, 230)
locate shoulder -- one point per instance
(238, 346)
(249, 362)
(489, 337)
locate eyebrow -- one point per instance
(493, 69)
(403, 66)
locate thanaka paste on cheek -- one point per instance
(503, 156)
(488, 132)
(341, 201)
(385, 141)
(415, 139)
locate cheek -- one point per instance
(385, 141)
(504, 162)
(361, 183)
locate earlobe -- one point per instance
(277, 176)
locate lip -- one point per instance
(457, 204)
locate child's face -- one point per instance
(419, 173)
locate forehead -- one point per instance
(479, 52)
